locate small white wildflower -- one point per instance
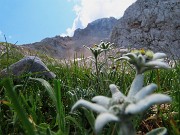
(119, 108)
(144, 61)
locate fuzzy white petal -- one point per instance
(94, 107)
(132, 56)
(103, 119)
(101, 100)
(136, 85)
(145, 91)
(159, 56)
(115, 92)
(157, 64)
(147, 102)
(123, 58)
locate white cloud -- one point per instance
(76, 24)
(90, 10)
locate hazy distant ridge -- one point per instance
(63, 47)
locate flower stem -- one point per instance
(126, 128)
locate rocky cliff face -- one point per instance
(99, 28)
(149, 24)
(65, 47)
(152, 24)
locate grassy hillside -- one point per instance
(39, 106)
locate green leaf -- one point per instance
(74, 121)
(44, 125)
(8, 84)
(59, 105)
(48, 88)
(90, 117)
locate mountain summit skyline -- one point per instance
(142, 26)
(61, 47)
(31, 21)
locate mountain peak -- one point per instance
(103, 21)
(62, 47)
(100, 27)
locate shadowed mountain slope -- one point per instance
(66, 47)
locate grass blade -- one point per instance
(59, 105)
(7, 83)
(48, 88)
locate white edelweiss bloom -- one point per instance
(95, 50)
(105, 45)
(120, 108)
(144, 61)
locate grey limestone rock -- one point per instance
(150, 24)
(29, 64)
(99, 28)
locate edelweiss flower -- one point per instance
(105, 46)
(121, 108)
(95, 50)
(145, 60)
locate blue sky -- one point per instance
(28, 21)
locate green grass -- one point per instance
(38, 106)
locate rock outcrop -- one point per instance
(29, 64)
(152, 24)
(100, 28)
